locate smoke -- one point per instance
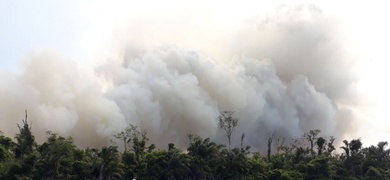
(283, 73)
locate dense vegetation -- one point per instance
(308, 157)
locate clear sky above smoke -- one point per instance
(87, 69)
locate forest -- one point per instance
(310, 156)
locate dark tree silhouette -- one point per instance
(228, 123)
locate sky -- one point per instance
(88, 33)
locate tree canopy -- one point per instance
(310, 156)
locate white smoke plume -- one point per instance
(283, 73)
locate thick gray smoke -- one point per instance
(286, 73)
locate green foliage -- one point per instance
(57, 157)
(320, 145)
(318, 168)
(309, 157)
(25, 139)
(204, 156)
(281, 174)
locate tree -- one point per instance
(312, 137)
(132, 168)
(125, 136)
(318, 168)
(346, 148)
(242, 141)
(377, 159)
(355, 146)
(205, 157)
(320, 145)
(6, 145)
(84, 163)
(25, 153)
(228, 123)
(139, 142)
(270, 138)
(234, 164)
(6, 155)
(165, 164)
(25, 139)
(330, 147)
(57, 157)
(354, 158)
(110, 167)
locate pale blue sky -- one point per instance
(33, 25)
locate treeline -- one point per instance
(308, 157)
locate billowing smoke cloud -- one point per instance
(284, 74)
(59, 98)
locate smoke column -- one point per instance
(283, 73)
